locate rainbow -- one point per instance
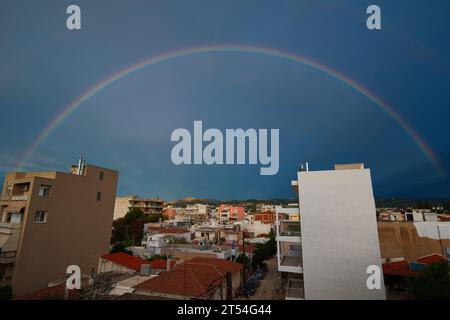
(172, 55)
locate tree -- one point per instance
(121, 247)
(137, 231)
(120, 230)
(432, 284)
(264, 251)
(153, 218)
(132, 215)
(242, 258)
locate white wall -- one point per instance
(339, 234)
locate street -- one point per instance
(267, 289)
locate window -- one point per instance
(8, 217)
(99, 196)
(44, 191)
(100, 177)
(16, 217)
(40, 216)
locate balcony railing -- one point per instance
(290, 261)
(289, 228)
(8, 225)
(295, 289)
(19, 197)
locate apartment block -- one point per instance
(50, 220)
(327, 252)
(147, 205)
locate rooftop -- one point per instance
(126, 260)
(196, 278)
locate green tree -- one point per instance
(153, 218)
(432, 284)
(244, 259)
(264, 251)
(132, 215)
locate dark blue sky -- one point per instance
(127, 126)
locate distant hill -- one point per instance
(394, 202)
(214, 202)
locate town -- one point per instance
(317, 245)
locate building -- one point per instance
(199, 278)
(412, 240)
(180, 233)
(50, 220)
(228, 213)
(206, 233)
(120, 262)
(266, 217)
(147, 205)
(326, 254)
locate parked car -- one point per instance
(256, 280)
(250, 287)
(260, 274)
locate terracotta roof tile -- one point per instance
(434, 257)
(161, 264)
(56, 292)
(125, 260)
(185, 280)
(398, 268)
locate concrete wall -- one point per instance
(401, 239)
(106, 265)
(121, 207)
(77, 230)
(339, 234)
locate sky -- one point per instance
(127, 125)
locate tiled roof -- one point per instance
(222, 265)
(434, 257)
(125, 260)
(402, 268)
(161, 264)
(398, 268)
(56, 292)
(185, 280)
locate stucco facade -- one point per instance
(68, 223)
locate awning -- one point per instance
(14, 207)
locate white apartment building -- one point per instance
(327, 252)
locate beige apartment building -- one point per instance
(147, 205)
(50, 220)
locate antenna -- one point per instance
(80, 164)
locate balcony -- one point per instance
(291, 264)
(295, 289)
(289, 231)
(289, 228)
(19, 197)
